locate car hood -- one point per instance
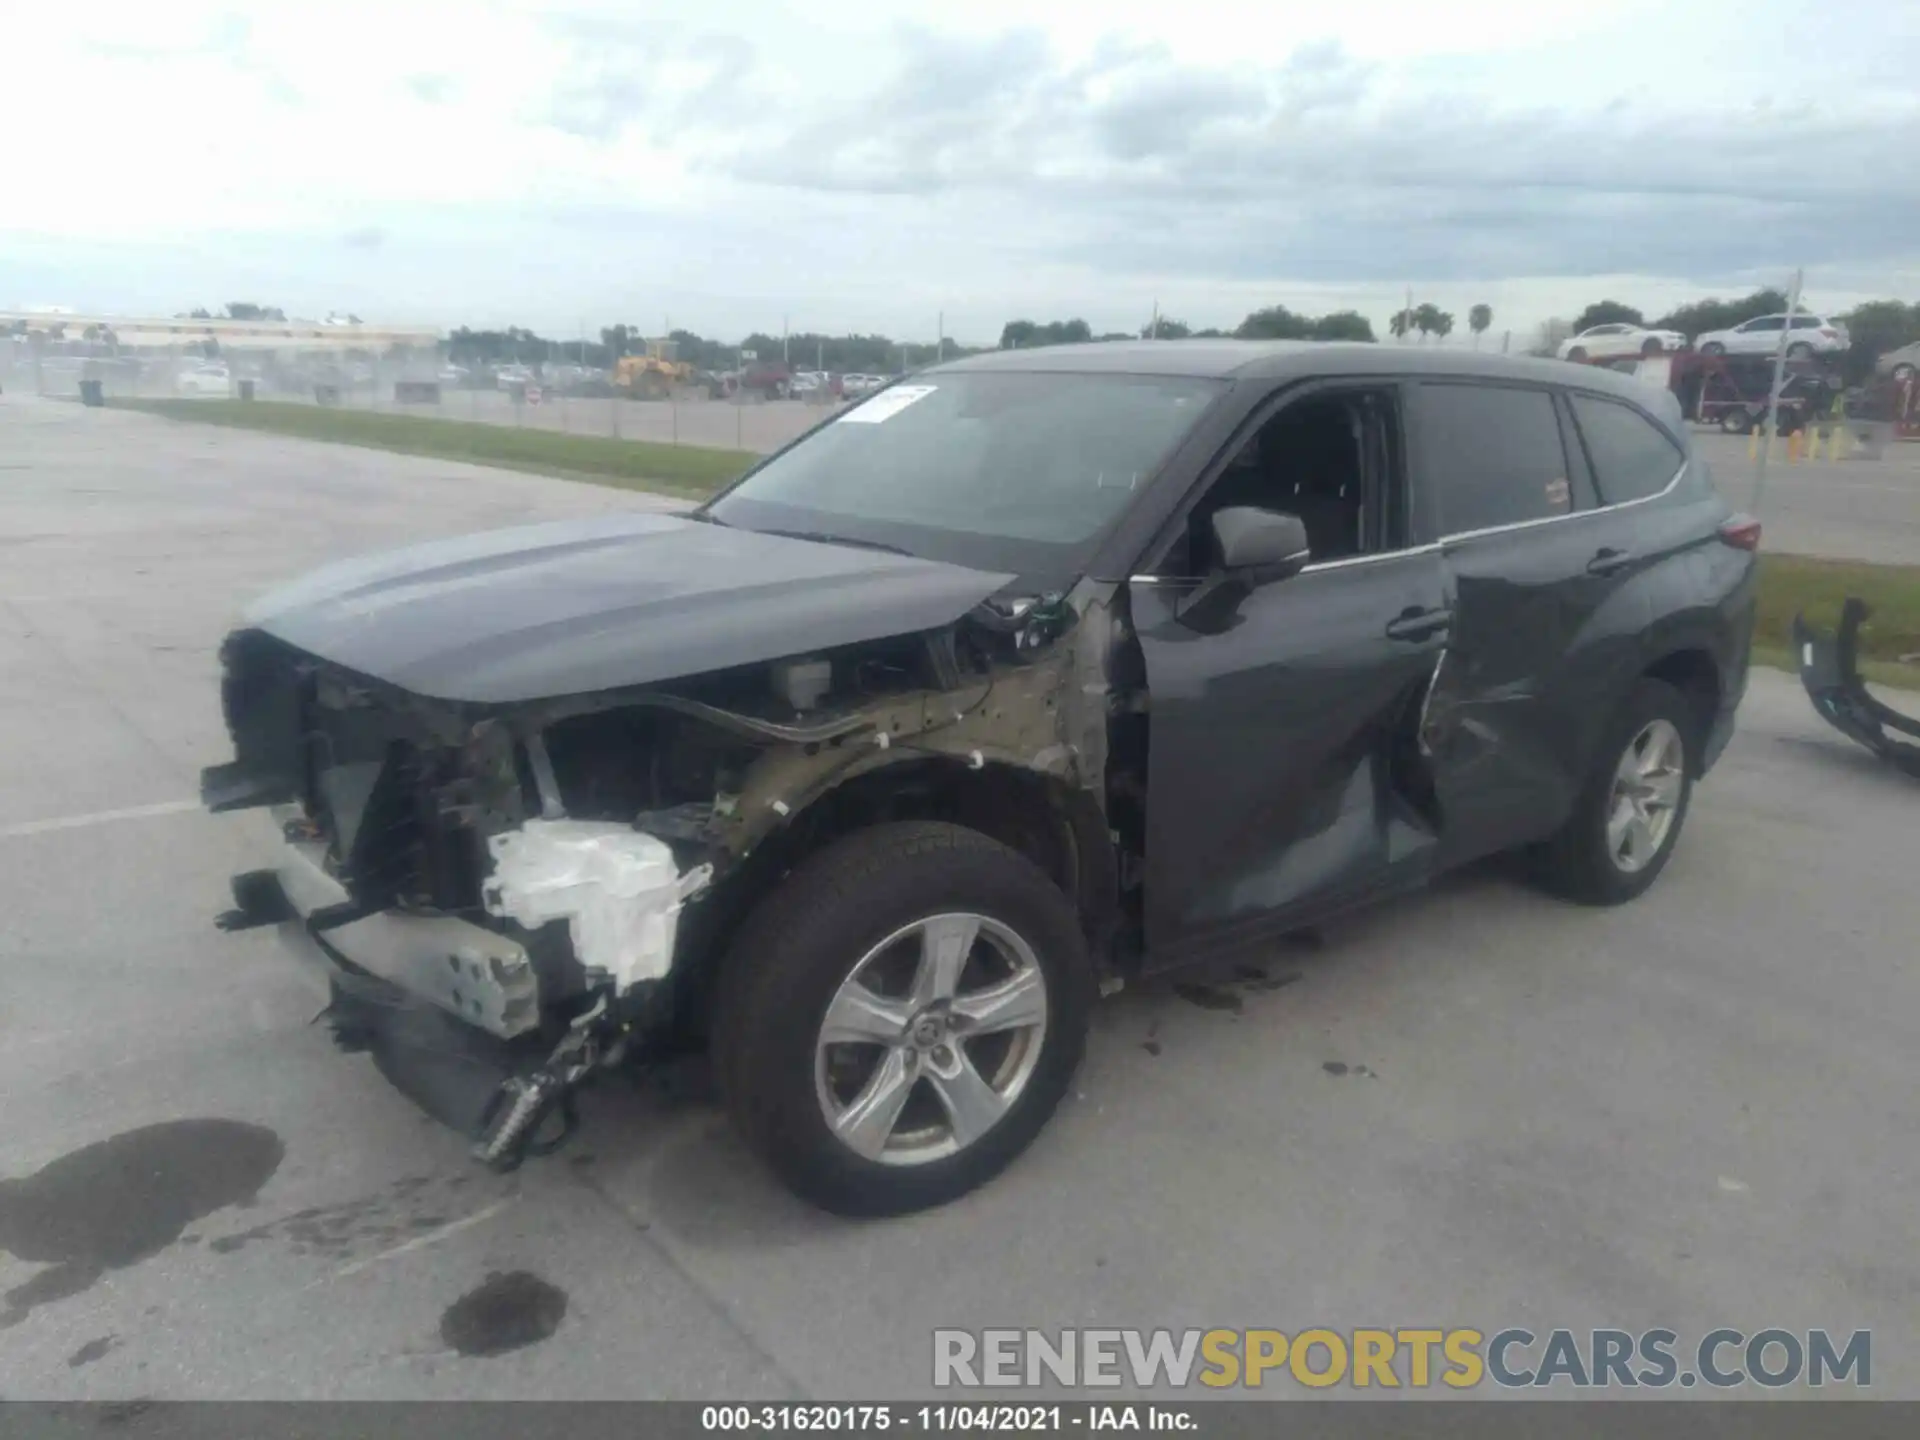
(617, 600)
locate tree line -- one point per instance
(801, 350)
(1875, 328)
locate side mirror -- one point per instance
(1259, 546)
(1256, 547)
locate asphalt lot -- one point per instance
(1476, 1107)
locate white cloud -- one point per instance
(724, 164)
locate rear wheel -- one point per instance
(1577, 354)
(1800, 350)
(1735, 420)
(1628, 817)
(1902, 373)
(1713, 347)
(900, 1018)
(1652, 347)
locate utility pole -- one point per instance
(940, 345)
(785, 357)
(1153, 325)
(1773, 397)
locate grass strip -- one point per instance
(686, 470)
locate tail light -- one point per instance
(1740, 531)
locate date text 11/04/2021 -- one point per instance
(942, 1419)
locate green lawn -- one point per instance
(1788, 583)
(688, 470)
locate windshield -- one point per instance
(1006, 471)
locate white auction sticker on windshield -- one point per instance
(887, 404)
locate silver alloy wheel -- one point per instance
(1647, 784)
(930, 1039)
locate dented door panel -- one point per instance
(1535, 661)
(1278, 783)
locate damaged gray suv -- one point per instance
(1041, 672)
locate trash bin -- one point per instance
(246, 389)
(91, 393)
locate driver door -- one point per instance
(1284, 778)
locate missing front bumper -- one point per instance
(512, 1096)
(485, 978)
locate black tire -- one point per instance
(1713, 347)
(1735, 420)
(1579, 862)
(1800, 350)
(804, 940)
(1577, 355)
(1652, 347)
(1901, 372)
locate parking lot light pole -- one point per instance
(1773, 396)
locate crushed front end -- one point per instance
(424, 863)
(503, 900)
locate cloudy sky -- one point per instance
(872, 167)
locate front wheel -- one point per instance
(1627, 819)
(1735, 420)
(1902, 373)
(899, 1019)
(1713, 347)
(1800, 350)
(1652, 347)
(1577, 354)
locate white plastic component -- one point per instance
(618, 889)
(803, 684)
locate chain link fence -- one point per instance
(565, 398)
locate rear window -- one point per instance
(1632, 457)
(1492, 456)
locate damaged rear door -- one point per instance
(1283, 772)
(1548, 622)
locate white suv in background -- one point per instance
(1811, 335)
(1615, 342)
(204, 380)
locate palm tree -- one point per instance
(1479, 318)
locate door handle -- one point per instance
(1415, 623)
(1607, 560)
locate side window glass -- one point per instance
(1316, 458)
(1492, 456)
(1632, 457)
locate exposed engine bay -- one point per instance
(559, 873)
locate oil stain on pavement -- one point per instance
(506, 1311)
(91, 1351)
(119, 1201)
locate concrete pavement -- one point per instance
(1478, 1106)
